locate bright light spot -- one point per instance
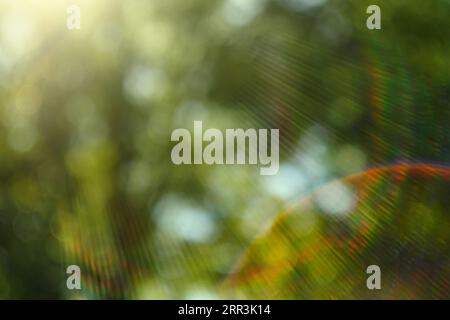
(312, 155)
(200, 293)
(140, 83)
(290, 182)
(242, 12)
(181, 219)
(336, 199)
(17, 33)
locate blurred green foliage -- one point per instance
(86, 117)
